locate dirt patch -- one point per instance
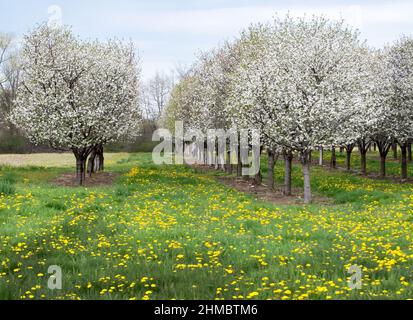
(97, 179)
(261, 192)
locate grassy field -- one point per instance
(49, 160)
(172, 233)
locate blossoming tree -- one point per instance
(76, 94)
(248, 105)
(400, 65)
(303, 77)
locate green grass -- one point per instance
(168, 232)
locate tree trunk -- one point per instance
(363, 162)
(333, 162)
(363, 147)
(374, 147)
(228, 166)
(80, 168)
(217, 159)
(84, 169)
(394, 148)
(305, 162)
(409, 152)
(348, 159)
(91, 162)
(384, 148)
(239, 167)
(320, 158)
(257, 178)
(271, 165)
(382, 165)
(239, 162)
(341, 149)
(99, 160)
(403, 148)
(349, 149)
(205, 153)
(288, 159)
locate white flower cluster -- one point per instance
(76, 94)
(304, 83)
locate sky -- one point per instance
(169, 33)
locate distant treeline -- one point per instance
(13, 142)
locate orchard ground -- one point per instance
(172, 232)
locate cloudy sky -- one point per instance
(171, 32)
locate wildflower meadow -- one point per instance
(171, 232)
(201, 151)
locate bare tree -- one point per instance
(155, 95)
(145, 102)
(9, 76)
(181, 71)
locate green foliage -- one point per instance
(7, 188)
(14, 144)
(7, 183)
